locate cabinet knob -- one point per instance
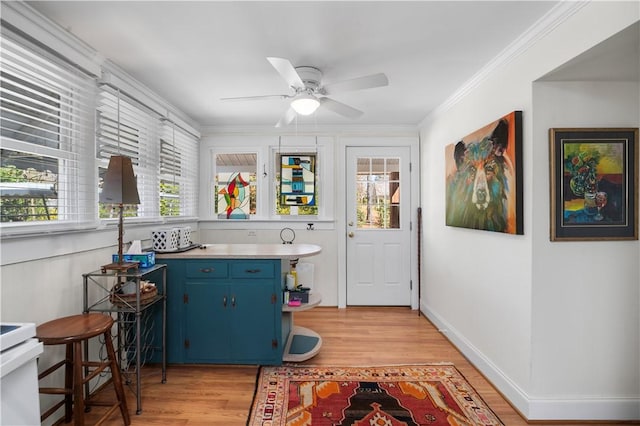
(252, 271)
(206, 270)
(224, 301)
(233, 301)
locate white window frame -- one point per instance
(267, 168)
(209, 207)
(75, 197)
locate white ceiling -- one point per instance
(192, 53)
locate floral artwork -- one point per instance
(594, 172)
(581, 162)
(595, 183)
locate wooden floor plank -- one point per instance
(198, 395)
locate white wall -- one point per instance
(491, 293)
(586, 296)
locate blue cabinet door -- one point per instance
(253, 317)
(207, 323)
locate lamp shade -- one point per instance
(119, 184)
(305, 104)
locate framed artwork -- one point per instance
(484, 178)
(297, 180)
(594, 184)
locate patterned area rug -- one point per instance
(432, 394)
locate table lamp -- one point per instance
(119, 187)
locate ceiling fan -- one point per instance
(309, 93)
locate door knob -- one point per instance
(351, 234)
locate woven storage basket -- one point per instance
(129, 299)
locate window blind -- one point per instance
(126, 127)
(178, 172)
(47, 129)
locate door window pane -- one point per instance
(378, 193)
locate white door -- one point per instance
(378, 226)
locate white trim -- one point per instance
(511, 391)
(116, 77)
(556, 16)
(50, 244)
(207, 150)
(297, 224)
(532, 408)
(379, 140)
(603, 409)
(315, 130)
(265, 147)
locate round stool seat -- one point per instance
(74, 331)
(73, 328)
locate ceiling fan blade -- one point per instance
(360, 83)
(340, 108)
(287, 71)
(287, 118)
(255, 98)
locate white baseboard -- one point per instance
(532, 408)
(603, 409)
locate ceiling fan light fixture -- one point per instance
(305, 104)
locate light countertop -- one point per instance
(245, 251)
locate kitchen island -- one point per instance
(224, 302)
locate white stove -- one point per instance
(13, 333)
(19, 350)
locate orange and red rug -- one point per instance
(431, 394)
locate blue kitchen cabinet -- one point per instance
(224, 311)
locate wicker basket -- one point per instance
(147, 295)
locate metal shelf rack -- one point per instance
(135, 318)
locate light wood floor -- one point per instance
(222, 395)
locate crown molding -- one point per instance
(315, 130)
(543, 26)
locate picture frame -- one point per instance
(594, 184)
(484, 178)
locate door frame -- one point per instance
(343, 142)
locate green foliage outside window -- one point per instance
(25, 209)
(169, 199)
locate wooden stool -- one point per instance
(72, 331)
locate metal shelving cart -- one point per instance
(136, 314)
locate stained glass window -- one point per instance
(297, 180)
(235, 185)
